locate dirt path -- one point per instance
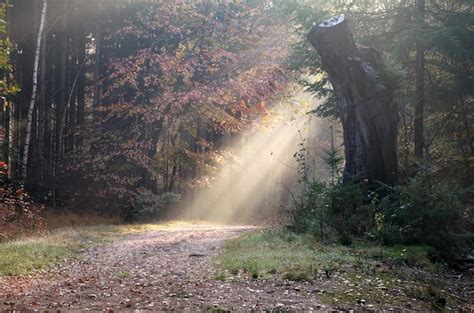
(156, 271)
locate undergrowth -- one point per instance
(363, 274)
(423, 210)
(301, 257)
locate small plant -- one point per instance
(124, 274)
(297, 275)
(220, 276)
(314, 208)
(309, 209)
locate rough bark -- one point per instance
(33, 93)
(368, 111)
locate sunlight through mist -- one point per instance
(257, 182)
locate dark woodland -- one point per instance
(308, 154)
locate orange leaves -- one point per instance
(18, 214)
(191, 71)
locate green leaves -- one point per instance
(7, 87)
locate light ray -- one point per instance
(257, 182)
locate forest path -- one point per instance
(156, 271)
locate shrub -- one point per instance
(329, 210)
(345, 209)
(309, 210)
(18, 214)
(146, 205)
(425, 211)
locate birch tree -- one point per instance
(33, 93)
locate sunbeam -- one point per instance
(262, 173)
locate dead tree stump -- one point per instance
(369, 113)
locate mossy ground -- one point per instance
(367, 275)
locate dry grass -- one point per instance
(65, 218)
(24, 255)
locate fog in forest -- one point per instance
(257, 173)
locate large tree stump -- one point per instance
(368, 111)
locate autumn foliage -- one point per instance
(178, 78)
(18, 214)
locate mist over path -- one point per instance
(156, 270)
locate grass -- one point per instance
(22, 258)
(347, 274)
(294, 256)
(124, 274)
(299, 256)
(24, 255)
(66, 218)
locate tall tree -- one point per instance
(367, 107)
(419, 81)
(33, 93)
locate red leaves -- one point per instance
(18, 214)
(189, 68)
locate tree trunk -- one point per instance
(64, 86)
(41, 108)
(420, 83)
(33, 93)
(6, 150)
(81, 85)
(369, 113)
(98, 58)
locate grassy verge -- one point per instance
(345, 276)
(298, 255)
(25, 255)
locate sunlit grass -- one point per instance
(345, 274)
(20, 258)
(301, 257)
(24, 255)
(277, 252)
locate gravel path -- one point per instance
(156, 271)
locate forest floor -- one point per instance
(175, 268)
(156, 270)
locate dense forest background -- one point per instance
(134, 100)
